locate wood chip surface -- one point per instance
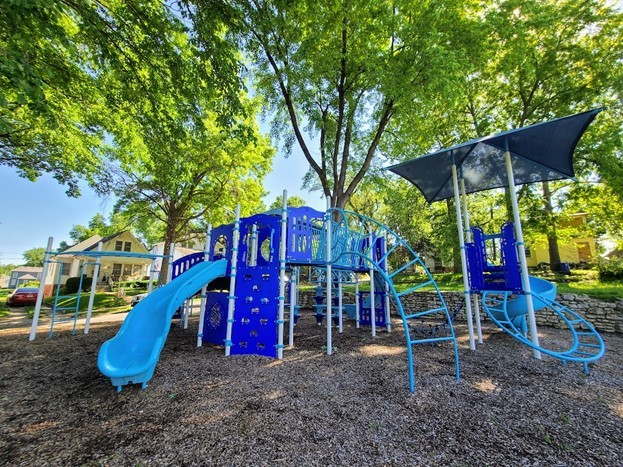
(351, 408)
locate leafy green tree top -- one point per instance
(336, 72)
(293, 202)
(34, 256)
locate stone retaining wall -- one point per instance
(605, 316)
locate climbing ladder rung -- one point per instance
(592, 346)
(398, 271)
(433, 339)
(389, 252)
(413, 289)
(424, 313)
(577, 353)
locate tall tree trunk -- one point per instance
(169, 237)
(552, 235)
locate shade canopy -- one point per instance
(538, 152)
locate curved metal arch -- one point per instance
(352, 246)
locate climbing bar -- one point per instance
(417, 287)
(398, 271)
(419, 314)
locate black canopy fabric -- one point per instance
(538, 153)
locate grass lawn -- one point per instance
(4, 293)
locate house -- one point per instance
(580, 249)
(112, 268)
(24, 274)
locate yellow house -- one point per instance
(577, 250)
(111, 269)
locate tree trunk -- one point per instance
(552, 235)
(169, 237)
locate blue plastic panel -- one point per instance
(215, 318)
(365, 311)
(257, 304)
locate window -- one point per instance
(118, 245)
(65, 269)
(127, 246)
(528, 253)
(116, 270)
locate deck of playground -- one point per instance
(352, 408)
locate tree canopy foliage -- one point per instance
(34, 256)
(73, 72)
(335, 73)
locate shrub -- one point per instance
(610, 269)
(72, 284)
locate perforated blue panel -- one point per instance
(257, 302)
(215, 318)
(365, 311)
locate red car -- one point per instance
(22, 296)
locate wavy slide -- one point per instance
(131, 356)
(510, 316)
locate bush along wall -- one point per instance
(72, 284)
(606, 316)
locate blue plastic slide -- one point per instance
(585, 344)
(517, 309)
(131, 356)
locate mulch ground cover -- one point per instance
(351, 408)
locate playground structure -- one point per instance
(257, 254)
(509, 296)
(60, 313)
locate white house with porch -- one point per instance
(112, 269)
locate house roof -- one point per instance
(90, 243)
(28, 277)
(84, 245)
(34, 269)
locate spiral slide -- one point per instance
(131, 356)
(510, 316)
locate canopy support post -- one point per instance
(468, 236)
(466, 292)
(521, 248)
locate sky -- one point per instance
(33, 211)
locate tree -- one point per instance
(572, 65)
(176, 185)
(99, 226)
(34, 256)
(73, 71)
(293, 202)
(5, 269)
(538, 60)
(340, 70)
